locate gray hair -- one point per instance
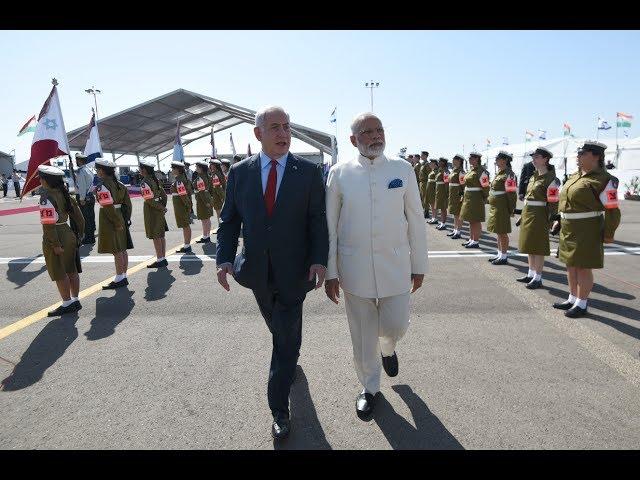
(355, 124)
(261, 114)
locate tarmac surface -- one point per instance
(175, 362)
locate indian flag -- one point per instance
(30, 126)
(623, 119)
(566, 129)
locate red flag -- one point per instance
(49, 140)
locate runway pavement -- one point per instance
(176, 362)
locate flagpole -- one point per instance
(598, 128)
(616, 139)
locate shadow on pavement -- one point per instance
(209, 249)
(429, 432)
(17, 276)
(190, 264)
(110, 312)
(85, 250)
(306, 431)
(158, 284)
(44, 351)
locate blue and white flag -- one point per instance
(332, 118)
(626, 133)
(178, 151)
(602, 124)
(505, 141)
(233, 147)
(92, 149)
(542, 134)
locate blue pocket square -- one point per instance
(395, 183)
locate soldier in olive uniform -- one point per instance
(155, 206)
(59, 242)
(540, 207)
(589, 218)
(219, 184)
(442, 191)
(204, 203)
(181, 198)
(415, 163)
(476, 193)
(423, 176)
(113, 221)
(502, 204)
(456, 190)
(430, 188)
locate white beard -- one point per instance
(371, 151)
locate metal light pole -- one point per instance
(92, 91)
(371, 85)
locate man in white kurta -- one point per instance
(377, 251)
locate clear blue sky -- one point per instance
(438, 89)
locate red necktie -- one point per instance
(270, 191)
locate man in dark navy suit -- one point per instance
(278, 201)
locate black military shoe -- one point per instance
(61, 311)
(491, 259)
(500, 261)
(433, 221)
(441, 227)
(533, 284)
(77, 305)
(204, 240)
(184, 250)
(390, 364)
(525, 279)
(575, 312)
(280, 428)
(157, 264)
(450, 234)
(456, 236)
(465, 243)
(566, 305)
(113, 285)
(365, 402)
(475, 245)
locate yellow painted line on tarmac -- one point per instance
(39, 315)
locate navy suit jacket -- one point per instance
(292, 239)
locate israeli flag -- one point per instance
(178, 151)
(93, 149)
(505, 141)
(602, 124)
(542, 134)
(626, 133)
(332, 118)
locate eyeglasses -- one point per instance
(369, 132)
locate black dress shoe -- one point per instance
(433, 221)
(525, 279)
(204, 240)
(566, 305)
(77, 305)
(157, 264)
(184, 250)
(491, 259)
(450, 234)
(113, 285)
(475, 245)
(280, 428)
(575, 312)
(61, 310)
(364, 405)
(456, 236)
(500, 261)
(390, 364)
(533, 284)
(441, 227)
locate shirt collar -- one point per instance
(265, 160)
(376, 161)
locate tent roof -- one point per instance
(150, 127)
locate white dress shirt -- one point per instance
(265, 168)
(84, 181)
(377, 235)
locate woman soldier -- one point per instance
(589, 217)
(424, 171)
(226, 165)
(219, 183)
(59, 242)
(182, 205)
(442, 191)
(502, 204)
(204, 203)
(456, 189)
(540, 207)
(155, 206)
(430, 189)
(113, 221)
(476, 192)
